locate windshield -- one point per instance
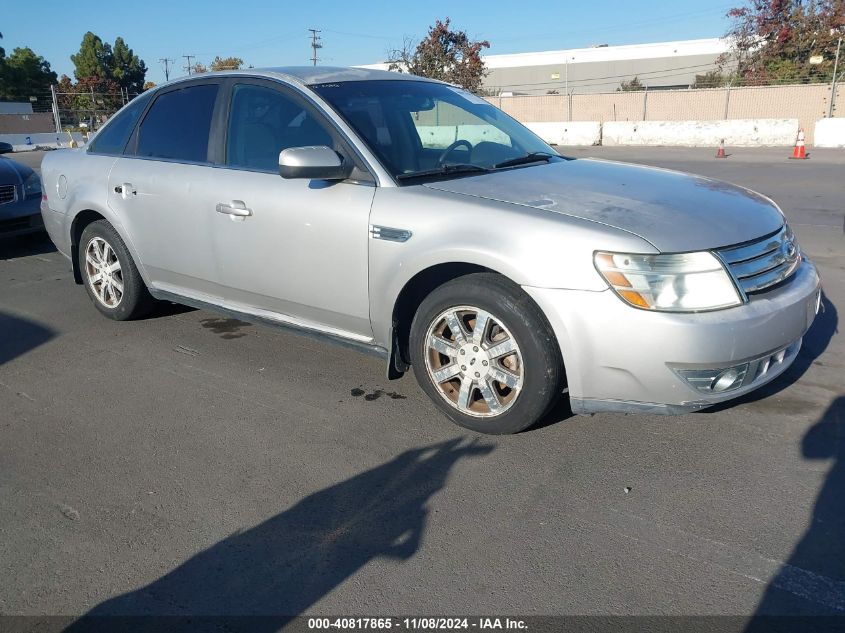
(422, 130)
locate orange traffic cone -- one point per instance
(800, 150)
(720, 153)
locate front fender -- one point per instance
(531, 247)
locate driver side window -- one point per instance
(263, 122)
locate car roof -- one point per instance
(308, 75)
(328, 74)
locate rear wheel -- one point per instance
(110, 276)
(485, 354)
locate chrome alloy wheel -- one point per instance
(102, 268)
(474, 361)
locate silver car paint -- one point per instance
(647, 201)
(537, 225)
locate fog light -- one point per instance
(729, 378)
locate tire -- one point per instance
(507, 391)
(116, 288)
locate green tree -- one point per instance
(24, 75)
(444, 54)
(226, 63)
(128, 70)
(2, 68)
(94, 58)
(712, 79)
(631, 86)
(773, 40)
(118, 64)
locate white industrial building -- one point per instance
(601, 68)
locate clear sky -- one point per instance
(274, 32)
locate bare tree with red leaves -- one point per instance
(444, 54)
(773, 40)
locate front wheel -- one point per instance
(485, 354)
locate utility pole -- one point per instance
(833, 82)
(315, 44)
(56, 116)
(166, 62)
(188, 66)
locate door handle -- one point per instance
(235, 208)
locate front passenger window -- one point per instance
(262, 123)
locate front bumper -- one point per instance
(620, 358)
(20, 217)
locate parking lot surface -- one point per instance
(193, 464)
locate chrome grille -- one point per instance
(7, 194)
(764, 262)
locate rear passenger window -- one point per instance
(178, 124)
(113, 137)
(263, 122)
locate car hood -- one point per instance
(12, 173)
(673, 211)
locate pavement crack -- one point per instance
(187, 351)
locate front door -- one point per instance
(296, 249)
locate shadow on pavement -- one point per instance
(812, 581)
(18, 336)
(25, 245)
(286, 564)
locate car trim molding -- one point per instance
(389, 234)
(277, 321)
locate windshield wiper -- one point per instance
(445, 170)
(531, 157)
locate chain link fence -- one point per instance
(79, 110)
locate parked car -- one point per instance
(20, 196)
(415, 221)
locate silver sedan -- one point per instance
(412, 220)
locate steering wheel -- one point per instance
(452, 147)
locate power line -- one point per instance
(315, 44)
(167, 61)
(653, 74)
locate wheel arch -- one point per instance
(413, 292)
(80, 221)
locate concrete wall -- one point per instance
(830, 133)
(567, 133)
(749, 132)
(20, 144)
(807, 103)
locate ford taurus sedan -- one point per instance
(410, 219)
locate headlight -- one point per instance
(32, 186)
(688, 282)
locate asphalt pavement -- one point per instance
(193, 464)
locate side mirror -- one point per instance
(315, 163)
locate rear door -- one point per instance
(162, 189)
